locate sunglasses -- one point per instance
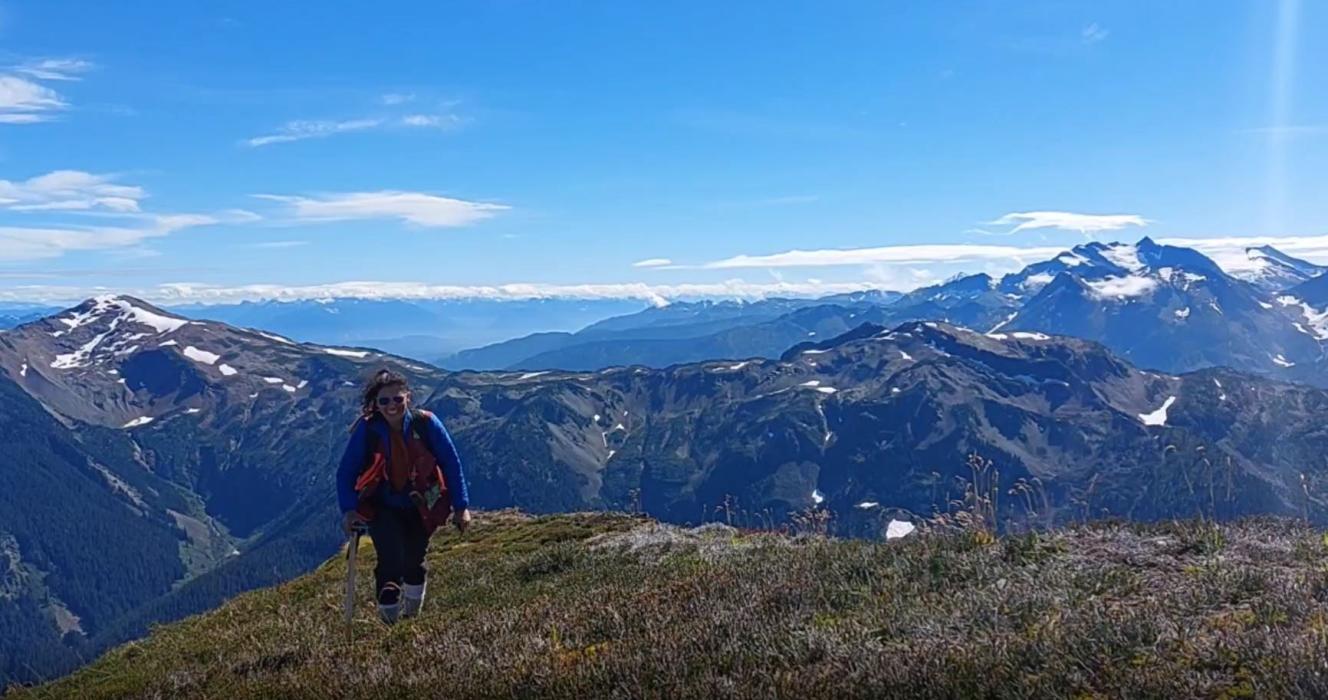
(385, 400)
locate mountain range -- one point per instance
(162, 464)
(1162, 307)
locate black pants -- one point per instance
(400, 541)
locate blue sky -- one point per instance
(232, 150)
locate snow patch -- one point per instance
(274, 380)
(288, 388)
(1318, 321)
(277, 338)
(1026, 335)
(77, 358)
(867, 504)
(1121, 287)
(1038, 281)
(144, 420)
(826, 389)
(814, 382)
(340, 352)
(1183, 313)
(898, 528)
(1282, 361)
(227, 371)
(905, 356)
(1001, 325)
(1124, 256)
(814, 352)
(23, 371)
(817, 496)
(207, 358)
(1158, 417)
(192, 411)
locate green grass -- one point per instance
(607, 605)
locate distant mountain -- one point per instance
(12, 315)
(1168, 308)
(1271, 270)
(1162, 307)
(680, 332)
(419, 328)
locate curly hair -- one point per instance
(382, 379)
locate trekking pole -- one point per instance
(352, 548)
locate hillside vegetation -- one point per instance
(605, 605)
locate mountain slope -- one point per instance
(676, 333)
(1271, 270)
(1172, 309)
(589, 606)
(872, 421)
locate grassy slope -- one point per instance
(528, 607)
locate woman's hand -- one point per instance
(352, 521)
(461, 519)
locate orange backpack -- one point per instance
(428, 488)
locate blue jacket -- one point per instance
(357, 456)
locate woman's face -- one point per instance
(392, 401)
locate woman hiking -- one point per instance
(400, 476)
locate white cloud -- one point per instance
(181, 293)
(653, 262)
(25, 102)
(55, 68)
(899, 254)
(1118, 287)
(1229, 252)
(412, 207)
(300, 130)
(38, 243)
(436, 121)
(1094, 33)
(1068, 221)
(70, 190)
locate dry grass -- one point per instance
(596, 605)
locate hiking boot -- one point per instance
(412, 599)
(389, 603)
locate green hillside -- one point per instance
(607, 605)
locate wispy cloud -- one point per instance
(1229, 252)
(895, 255)
(1094, 33)
(1068, 221)
(24, 100)
(55, 68)
(416, 208)
(39, 243)
(397, 98)
(434, 121)
(188, 292)
(653, 262)
(301, 130)
(70, 190)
